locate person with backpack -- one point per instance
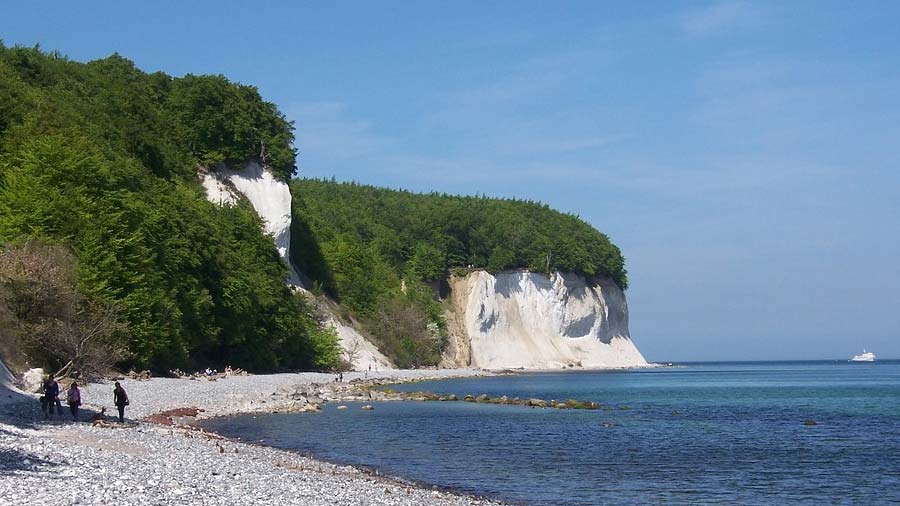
(73, 396)
(51, 394)
(120, 399)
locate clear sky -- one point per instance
(744, 155)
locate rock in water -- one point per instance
(536, 403)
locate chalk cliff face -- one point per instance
(271, 199)
(535, 321)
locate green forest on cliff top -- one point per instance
(98, 179)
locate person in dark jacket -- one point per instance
(51, 392)
(73, 396)
(120, 399)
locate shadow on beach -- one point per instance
(15, 460)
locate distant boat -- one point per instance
(865, 356)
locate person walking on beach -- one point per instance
(73, 396)
(51, 393)
(120, 399)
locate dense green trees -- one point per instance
(424, 236)
(101, 158)
(223, 122)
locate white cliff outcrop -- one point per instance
(534, 321)
(271, 199)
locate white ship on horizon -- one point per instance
(865, 356)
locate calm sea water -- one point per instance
(723, 433)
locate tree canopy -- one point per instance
(425, 236)
(102, 158)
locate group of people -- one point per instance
(51, 398)
(51, 392)
(215, 372)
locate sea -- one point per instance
(824, 432)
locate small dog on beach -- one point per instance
(99, 419)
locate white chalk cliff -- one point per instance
(271, 199)
(534, 321)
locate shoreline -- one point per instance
(63, 462)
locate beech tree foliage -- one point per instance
(425, 236)
(101, 158)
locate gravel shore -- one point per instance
(60, 462)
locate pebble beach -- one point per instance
(61, 462)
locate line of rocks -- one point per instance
(532, 402)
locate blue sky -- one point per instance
(744, 155)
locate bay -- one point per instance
(699, 433)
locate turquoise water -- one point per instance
(724, 433)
